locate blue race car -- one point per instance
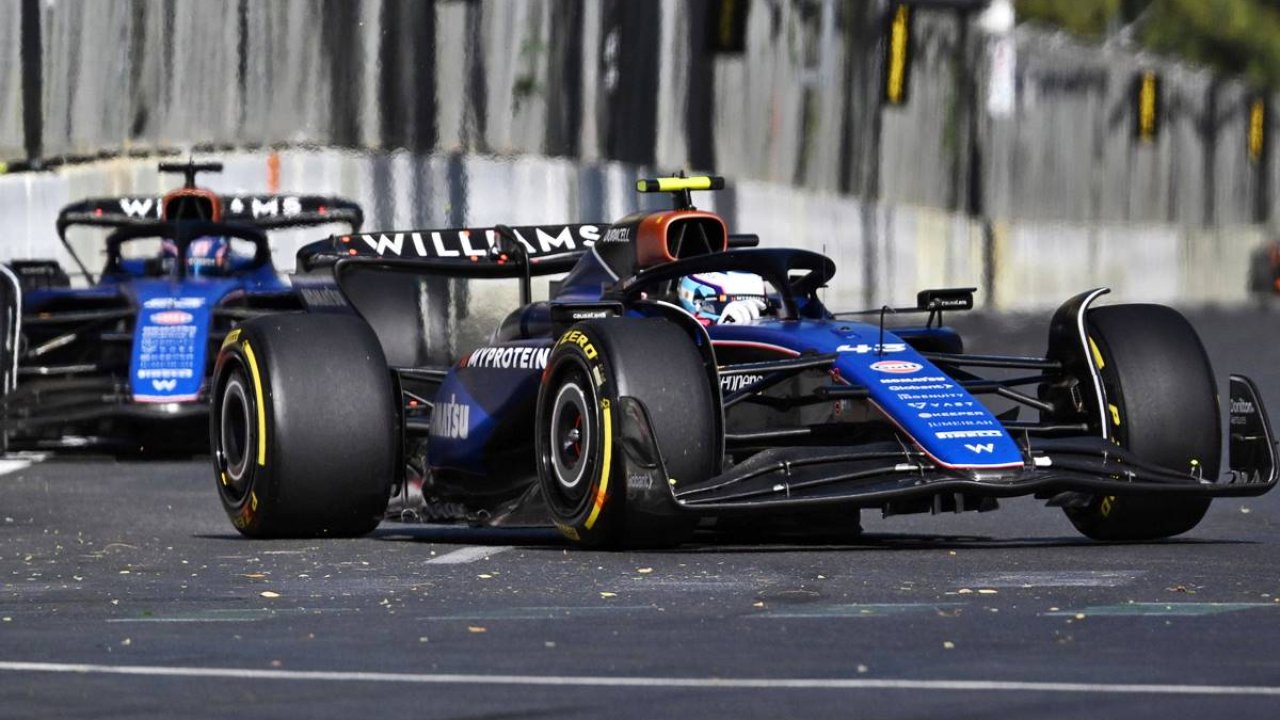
(122, 363)
(678, 378)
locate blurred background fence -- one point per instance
(1030, 152)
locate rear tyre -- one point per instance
(1163, 406)
(303, 427)
(583, 453)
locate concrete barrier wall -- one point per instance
(884, 253)
(629, 81)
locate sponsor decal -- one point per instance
(863, 349)
(172, 317)
(167, 350)
(164, 385)
(451, 419)
(271, 206)
(966, 434)
(930, 396)
(590, 314)
(734, 383)
(537, 241)
(577, 338)
(933, 386)
(178, 303)
(979, 448)
(957, 413)
(166, 373)
(920, 405)
(618, 234)
(897, 367)
(925, 379)
(960, 423)
(508, 358)
(140, 207)
(1242, 407)
(35, 271)
(322, 297)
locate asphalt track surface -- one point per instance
(124, 593)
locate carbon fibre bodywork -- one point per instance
(817, 410)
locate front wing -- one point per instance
(1063, 470)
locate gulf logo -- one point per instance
(897, 367)
(172, 317)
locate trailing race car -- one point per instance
(125, 359)
(679, 378)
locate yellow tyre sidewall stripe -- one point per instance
(262, 409)
(1107, 504)
(606, 433)
(1097, 354)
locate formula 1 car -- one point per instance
(124, 360)
(626, 411)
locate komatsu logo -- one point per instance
(451, 419)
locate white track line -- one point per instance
(651, 682)
(468, 554)
(19, 461)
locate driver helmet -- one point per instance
(207, 254)
(723, 297)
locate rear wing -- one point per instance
(498, 251)
(266, 211)
(269, 212)
(547, 248)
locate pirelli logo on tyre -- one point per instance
(576, 337)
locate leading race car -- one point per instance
(121, 364)
(679, 378)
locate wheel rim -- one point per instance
(235, 431)
(570, 438)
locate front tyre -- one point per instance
(303, 427)
(1163, 405)
(604, 378)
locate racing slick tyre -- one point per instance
(1163, 405)
(586, 408)
(303, 427)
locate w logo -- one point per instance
(137, 207)
(164, 385)
(978, 449)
